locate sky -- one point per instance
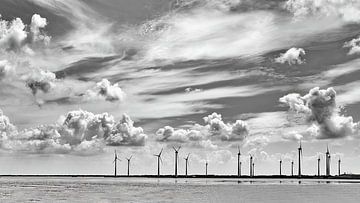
(80, 79)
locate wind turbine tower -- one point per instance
(116, 159)
(292, 168)
(299, 156)
(176, 159)
(186, 164)
(206, 168)
(250, 166)
(339, 165)
(128, 165)
(158, 161)
(238, 162)
(253, 168)
(328, 159)
(318, 165)
(280, 166)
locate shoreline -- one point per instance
(341, 177)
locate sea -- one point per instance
(40, 189)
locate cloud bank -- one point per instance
(320, 110)
(79, 132)
(215, 129)
(348, 11)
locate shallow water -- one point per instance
(169, 190)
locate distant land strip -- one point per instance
(344, 176)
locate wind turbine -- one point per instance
(318, 165)
(292, 168)
(206, 168)
(328, 158)
(128, 165)
(176, 158)
(158, 160)
(300, 157)
(238, 162)
(116, 159)
(280, 165)
(186, 164)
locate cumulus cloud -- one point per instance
(105, 90)
(292, 136)
(354, 46)
(125, 133)
(226, 131)
(204, 136)
(79, 132)
(5, 69)
(37, 25)
(16, 36)
(40, 80)
(292, 56)
(348, 11)
(320, 109)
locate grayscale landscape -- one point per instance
(179, 100)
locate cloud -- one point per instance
(125, 134)
(105, 90)
(293, 136)
(292, 56)
(191, 137)
(37, 24)
(190, 90)
(320, 109)
(40, 80)
(5, 69)
(204, 136)
(79, 132)
(348, 11)
(226, 131)
(354, 46)
(16, 36)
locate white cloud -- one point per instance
(207, 136)
(293, 136)
(226, 131)
(347, 10)
(37, 24)
(5, 69)
(214, 130)
(189, 90)
(79, 132)
(124, 133)
(292, 56)
(320, 109)
(40, 80)
(15, 35)
(105, 90)
(354, 46)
